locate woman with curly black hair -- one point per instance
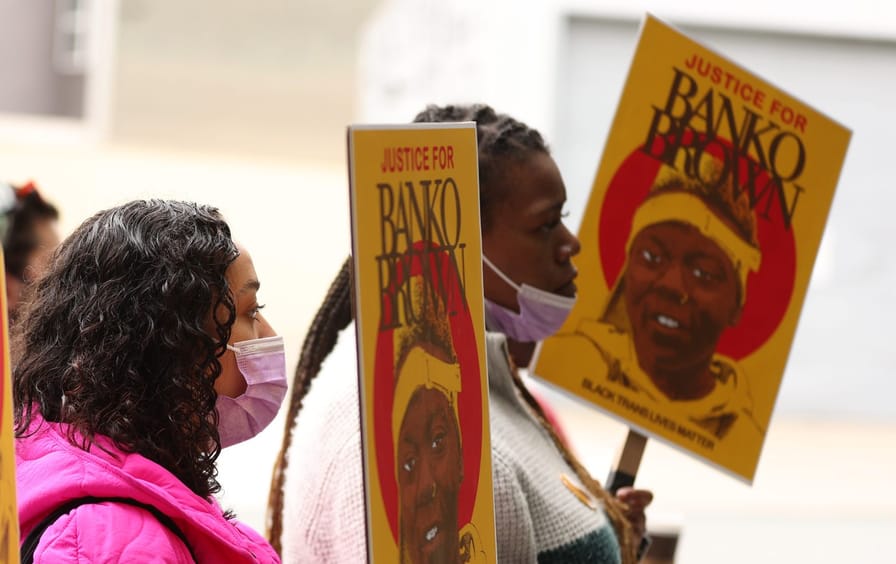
(141, 353)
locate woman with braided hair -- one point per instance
(547, 507)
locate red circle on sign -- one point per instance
(768, 290)
(469, 399)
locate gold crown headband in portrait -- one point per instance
(688, 208)
(423, 370)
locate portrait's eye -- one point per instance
(704, 275)
(650, 256)
(438, 441)
(409, 464)
(707, 271)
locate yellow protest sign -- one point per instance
(698, 243)
(421, 342)
(9, 521)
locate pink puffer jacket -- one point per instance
(50, 471)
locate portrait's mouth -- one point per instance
(667, 321)
(668, 328)
(432, 542)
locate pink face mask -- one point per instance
(541, 313)
(262, 362)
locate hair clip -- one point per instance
(25, 189)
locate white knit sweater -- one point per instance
(538, 516)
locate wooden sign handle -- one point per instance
(625, 468)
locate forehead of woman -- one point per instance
(241, 275)
(526, 185)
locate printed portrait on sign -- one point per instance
(689, 257)
(431, 420)
(697, 245)
(426, 431)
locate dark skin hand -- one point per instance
(636, 501)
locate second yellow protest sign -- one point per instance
(421, 343)
(698, 243)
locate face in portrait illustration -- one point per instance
(681, 292)
(430, 456)
(429, 464)
(690, 249)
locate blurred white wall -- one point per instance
(266, 80)
(40, 78)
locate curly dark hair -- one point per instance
(500, 137)
(114, 341)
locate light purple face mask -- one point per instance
(541, 313)
(262, 362)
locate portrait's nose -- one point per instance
(426, 484)
(671, 282)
